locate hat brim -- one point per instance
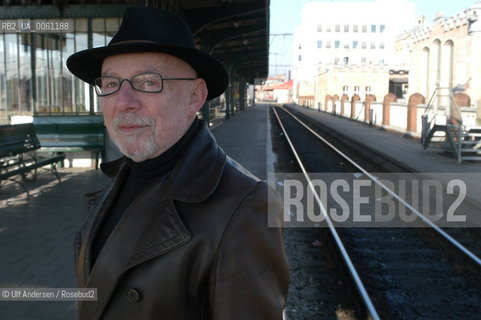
(87, 64)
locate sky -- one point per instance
(285, 15)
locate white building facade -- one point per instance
(347, 34)
(445, 57)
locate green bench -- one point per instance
(60, 134)
(18, 157)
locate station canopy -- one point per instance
(236, 32)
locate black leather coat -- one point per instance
(195, 246)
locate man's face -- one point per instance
(144, 125)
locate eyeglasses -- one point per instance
(143, 82)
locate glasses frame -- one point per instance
(121, 81)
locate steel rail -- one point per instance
(446, 236)
(347, 259)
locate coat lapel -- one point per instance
(91, 225)
(158, 229)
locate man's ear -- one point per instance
(198, 96)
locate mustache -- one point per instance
(132, 119)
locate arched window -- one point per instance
(447, 64)
(425, 81)
(436, 60)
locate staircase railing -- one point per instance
(426, 122)
(454, 129)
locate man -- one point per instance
(182, 230)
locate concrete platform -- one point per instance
(244, 138)
(36, 239)
(406, 151)
(36, 235)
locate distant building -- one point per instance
(353, 80)
(446, 55)
(344, 36)
(282, 93)
(264, 93)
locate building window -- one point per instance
(34, 79)
(368, 89)
(346, 28)
(328, 28)
(448, 62)
(328, 44)
(336, 60)
(338, 28)
(364, 45)
(363, 60)
(382, 27)
(299, 58)
(98, 37)
(346, 45)
(354, 44)
(337, 44)
(373, 28)
(346, 60)
(373, 45)
(319, 28)
(3, 83)
(356, 89)
(319, 43)
(11, 72)
(355, 28)
(381, 45)
(364, 28)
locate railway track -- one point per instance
(393, 273)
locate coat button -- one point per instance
(133, 295)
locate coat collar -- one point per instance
(153, 214)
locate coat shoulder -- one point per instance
(241, 176)
(246, 183)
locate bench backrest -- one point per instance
(70, 130)
(17, 139)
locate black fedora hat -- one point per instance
(145, 29)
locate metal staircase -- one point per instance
(445, 130)
(471, 145)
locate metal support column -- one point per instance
(227, 65)
(33, 68)
(90, 41)
(227, 101)
(233, 94)
(206, 112)
(254, 94)
(242, 94)
(229, 97)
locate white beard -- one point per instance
(131, 145)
